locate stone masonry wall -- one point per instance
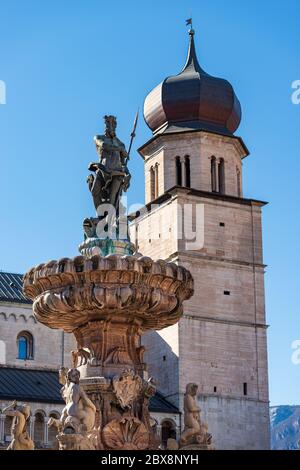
(51, 347)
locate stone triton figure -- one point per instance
(76, 424)
(79, 413)
(195, 431)
(20, 438)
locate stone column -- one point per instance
(31, 427)
(183, 172)
(2, 428)
(46, 442)
(159, 431)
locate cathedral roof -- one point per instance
(11, 288)
(192, 100)
(30, 385)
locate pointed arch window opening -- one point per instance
(178, 171)
(221, 176)
(187, 165)
(168, 431)
(25, 346)
(152, 183)
(154, 188)
(213, 171)
(239, 186)
(156, 181)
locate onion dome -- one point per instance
(193, 99)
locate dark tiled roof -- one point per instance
(43, 386)
(30, 385)
(159, 403)
(11, 288)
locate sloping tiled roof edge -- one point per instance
(36, 385)
(11, 286)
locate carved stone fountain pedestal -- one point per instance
(108, 302)
(77, 441)
(122, 420)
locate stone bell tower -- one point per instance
(196, 216)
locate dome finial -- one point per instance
(192, 61)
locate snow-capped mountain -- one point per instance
(285, 427)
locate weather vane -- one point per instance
(188, 22)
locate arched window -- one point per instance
(178, 171)
(39, 430)
(156, 180)
(8, 421)
(152, 183)
(238, 177)
(168, 431)
(213, 172)
(52, 431)
(187, 164)
(25, 345)
(222, 176)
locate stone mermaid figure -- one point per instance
(79, 412)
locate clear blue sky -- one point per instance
(67, 63)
